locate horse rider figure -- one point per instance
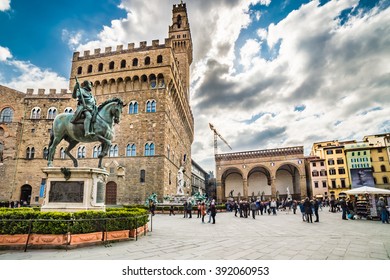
(86, 105)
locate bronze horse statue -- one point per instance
(108, 112)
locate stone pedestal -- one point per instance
(74, 189)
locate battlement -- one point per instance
(42, 91)
(178, 6)
(108, 51)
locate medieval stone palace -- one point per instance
(153, 139)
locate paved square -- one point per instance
(268, 237)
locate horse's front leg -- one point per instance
(52, 149)
(72, 144)
(105, 146)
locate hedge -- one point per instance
(63, 222)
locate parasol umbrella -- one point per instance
(367, 190)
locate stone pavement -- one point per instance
(280, 237)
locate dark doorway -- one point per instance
(111, 193)
(25, 194)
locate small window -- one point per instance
(135, 62)
(45, 153)
(316, 185)
(62, 153)
(51, 113)
(385, 180)
(30, 153)
(159, 59)
(329, 152)
(100, 67)
(340, 161)
(332, 171)
(149, 149)
(79, 70)
(341, 171)
(81, 152)
(383, 168)
(89, 69)
(96, 151)
(330, 162)
(381, 159)
(133, 107)
(123, 63)
(339, 151)
(142, 176)
(147, 60)
(68, 110)
(113, 151)
(314, 164)
(111, 65)
(35, 113)
(131, 150)
(324, 184)
(314, 173)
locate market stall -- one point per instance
(366, 199)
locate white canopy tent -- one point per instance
(367, 190)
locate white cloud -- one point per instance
(4, 54)
(5, 5)
(31, 76)
(249, 52)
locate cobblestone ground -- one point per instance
(268, 237)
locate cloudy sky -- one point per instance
(266, 73)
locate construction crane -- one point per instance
(216, 135)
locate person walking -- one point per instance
(203, 211)
(213, 211)
(344, 209)
(199, 211)
(308, 210)
(302, 208)
(382, 210)
(189, 209)
(316, 206)
(185, 209)
(273, 206)
(152, 207)
(294, 206)
(253, 209)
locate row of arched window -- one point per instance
(123, 64)
(131, 151)
(51, 112)
(149, 108)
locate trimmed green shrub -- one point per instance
(54, 223)
(88, 221)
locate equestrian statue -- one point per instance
(88, 124)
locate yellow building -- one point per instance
(380, 159)
(336, 165)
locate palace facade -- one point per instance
(152, 140)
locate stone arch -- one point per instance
(152, 81)
(144, 82)
(127, 84)
(120, 85)
(97, 87)
(136, 83)
(259, 181)
(105, 87)
(112, 86)
(232, 179)
(287, 175)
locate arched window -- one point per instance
(131, 150)
(133, 107)
(45, 153)
(149, 149)
(123, 63)
(89, 68)
(159, 59)
(383, 168)
(100, 67)
(79, 70)
(178, 21)
(68, 110)
(30, 153)
(385, 180)
(51, 113)
(62, 153)
(6, 115)
(135, 62)
(152, 81)
(147, 60)
(35, 113)
(96, 151)
(113, 151)
(160, 81)
(111, 65)
(151, 106)
(81, 152)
